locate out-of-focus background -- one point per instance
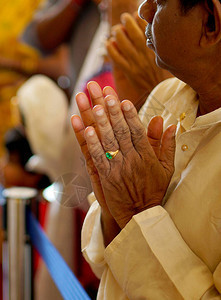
(49, 51)
(14, 17)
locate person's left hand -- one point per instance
(138, 176)
(109, 226)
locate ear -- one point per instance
(212, 23)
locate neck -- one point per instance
(208, 88)
(210, 99)
(207, 84)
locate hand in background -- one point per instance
(135, 70)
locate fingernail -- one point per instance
(126, 106)
(111, 102)
(81, 97)
(173, 129)
(123, 19)
(76, 122)
(90, 132)
(99, 112)
(95, 90)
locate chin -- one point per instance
(161, 64)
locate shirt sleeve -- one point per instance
(92, 244)
(217, 277)
(150, 260)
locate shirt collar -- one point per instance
(184, 105)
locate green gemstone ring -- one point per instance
(111, 154)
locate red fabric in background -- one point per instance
(83, 270)
(42, 213)
(103, 78)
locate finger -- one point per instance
(119, 125)
(85, 109)
(95, 93)
(79, 129)
(106, 133)
(141, 22)
(124, 44)
(133, 31)
(154, 133)
(115, 56)
(97, 152)
(168, 147)
(137, 131)
(107, 90)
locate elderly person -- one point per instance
(155, 230)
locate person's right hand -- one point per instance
(128, 52)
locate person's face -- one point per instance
(173, 35)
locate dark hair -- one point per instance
(16, 141)
(186, 5)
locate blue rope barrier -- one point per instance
(65, 280)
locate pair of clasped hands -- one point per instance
(138, 176)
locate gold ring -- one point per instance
(111, 154)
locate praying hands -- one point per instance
(130, 169)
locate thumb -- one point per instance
(168, 147)
(154, 134)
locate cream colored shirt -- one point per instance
(171, 252)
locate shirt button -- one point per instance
(182, 116)
(184, 147)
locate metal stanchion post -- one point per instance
(17, 200)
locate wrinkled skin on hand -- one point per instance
(134, 67)
(109, 225)
(138, 177)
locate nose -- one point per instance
(147, 10)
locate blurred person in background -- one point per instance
(14, 17)
(89, 61)
(13, 166)
(21, 56)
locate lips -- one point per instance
(148, 33)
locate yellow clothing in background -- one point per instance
(14, 17)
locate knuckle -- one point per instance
(155, 142)
(83, 144)
(109, 144)
(121, 132)
(95, 153)
(98, 159)
(115, 113)
(97, 99)
(137, 132)
(103, 122)
(87, 156)
(92, 124)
